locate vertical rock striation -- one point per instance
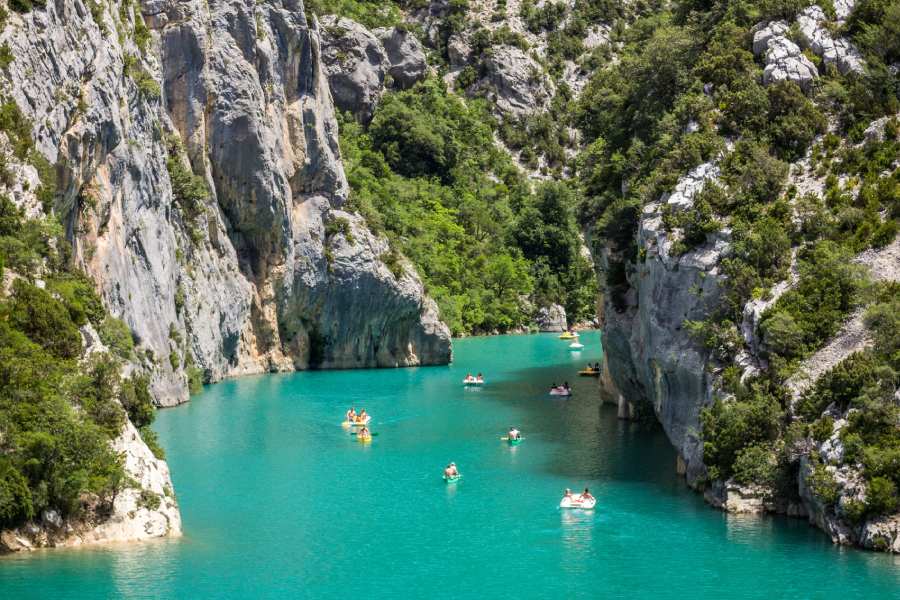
(251, 276)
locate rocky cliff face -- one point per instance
(263, 272)
(648, 356)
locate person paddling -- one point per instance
(451, 471)
(514, 433)
(364, 433)
(586, 495)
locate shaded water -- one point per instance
(278, 501)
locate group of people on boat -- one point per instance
(357, 419)
(594, 368)
(561, 390)
(583, 497)
(473, 379)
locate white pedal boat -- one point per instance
(357, 423)
(473, 381)
(576, 502)
(576, 346)
(560, 392)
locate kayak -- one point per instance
(473, 381)
(514, 442)
(577, 502)
(575, 346)
(568, 336)
(452, 479)
(560, 392)
(589, 373)
(364, 439)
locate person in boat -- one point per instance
(451, 470)
(362, 416)
(479, 378)
(469, 377)
(553, 387)
(568, 494)
(351, 414)
(364, 433)
(565, 387)
(597, 367)
(514, 433)
(586, 495)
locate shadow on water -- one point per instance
(598, 444)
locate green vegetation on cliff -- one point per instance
(427, 173)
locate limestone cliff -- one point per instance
(201, 185)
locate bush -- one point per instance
(729, 427)
(756, 464)
(116, 334)
(823, 485)
(881, 497)
(44, 320)
(136, 400)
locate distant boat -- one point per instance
(569, 335)
(575, 346)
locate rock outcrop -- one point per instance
(145, 509)
(834, 51)
(551, 318)
(231, 96)
(406, 54)
(515, 82)
(785, 61)
(356, 63)
(648, 355)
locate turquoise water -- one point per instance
(278, 501)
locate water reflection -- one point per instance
(577, 527)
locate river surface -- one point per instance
(279, 501)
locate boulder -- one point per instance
(406, 55)
(515, 82)
(459, 51)
(785, 61)
(834, 51)
(766, 32)
(355, 62)
(551, 318)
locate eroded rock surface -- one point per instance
(356, 63)
(406, 55)
(250, 279)
(515, 82)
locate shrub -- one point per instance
(136, 400)
(823, 485)
(116, 334)
(729, 427)
(756, 464)
(44, 320)
(881, 496)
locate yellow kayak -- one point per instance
(364, 439)
(589, 373)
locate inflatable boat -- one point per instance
(364, 439)
(574, 501)
(560, 391)
(568, 335)
(473, 381)
(357, 423)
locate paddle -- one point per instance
(505, 438)
(357, 433)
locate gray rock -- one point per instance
(406, 55)
(356, 63)
(551, 318)
(766, 32)
(252, 284)
(459, 51)
(785, 61)
(834, 51)
(515, 82)
(649, 357)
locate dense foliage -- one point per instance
(427, 173)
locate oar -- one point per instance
(505, 438)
